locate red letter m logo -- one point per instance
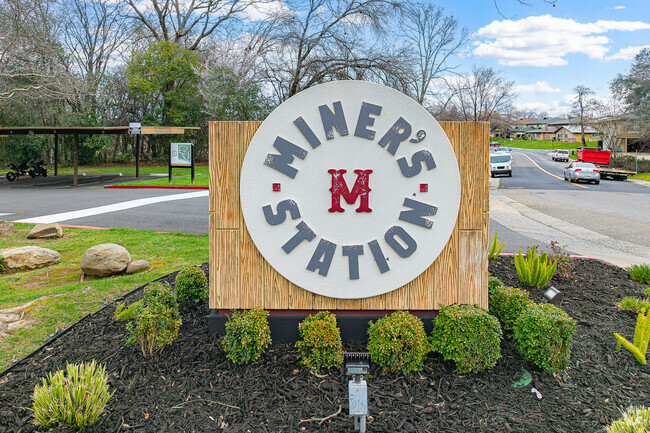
(340, 188)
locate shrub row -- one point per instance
(543, 332)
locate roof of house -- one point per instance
(546, 121)
(551, 130)
(575, 129)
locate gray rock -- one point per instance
(46, 231)
(104, 260)
(7, 228)
(137, 266)
(29, 257)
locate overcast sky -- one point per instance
(548, 50)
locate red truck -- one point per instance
(601, 159)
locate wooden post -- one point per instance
(76, 157)
(56, 154)
(137, 155)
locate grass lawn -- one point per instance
(129, 169)
(642, 176)
(200, 179)
(537, 144)
(66, 296)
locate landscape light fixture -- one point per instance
(357, 365)
(553, 295)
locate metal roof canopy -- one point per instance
(91, 130)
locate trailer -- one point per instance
(602, 160)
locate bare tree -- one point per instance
(580, 104)
(609, 118)
(186, 23)
(479, 96)
(325, 40)
(31, 60)
(434, 38)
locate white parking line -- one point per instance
(5, 214)
(66, 216)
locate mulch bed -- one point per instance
(192, 387)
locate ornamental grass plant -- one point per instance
(633, 421)
(639, 345)
(320, 343)
(71, 399)
(534, 269)
(640, 273)
(398, 342)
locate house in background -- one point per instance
(573, 134)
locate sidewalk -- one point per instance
(544, 229)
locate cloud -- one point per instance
(259, 11)
(619, 7)
(546, 40)
(627, 53)
(538, 87)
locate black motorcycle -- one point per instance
(37, 169)
(18, 170)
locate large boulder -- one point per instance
(46, 231)
(7, 228)
(29, 257)
(104, 260)
(137, 266)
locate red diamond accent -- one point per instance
(276, 187)
(424, 187)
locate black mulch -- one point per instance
(192, 387)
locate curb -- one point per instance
(155, 187)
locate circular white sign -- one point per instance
(350, 189)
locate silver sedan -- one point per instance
(586, 171)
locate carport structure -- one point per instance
(91, 130)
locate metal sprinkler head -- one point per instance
(357, 365)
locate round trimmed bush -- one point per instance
(467, 335)
(247, 335)
(192, 285)
(157, 319)
(56, 399)
(543, 334)
(507, 304)
(320, 342)
(398, 342)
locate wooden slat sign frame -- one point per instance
(240, 278)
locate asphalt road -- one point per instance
(534, 206)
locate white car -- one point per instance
(577, 171)
(500, 163)
(560, 155)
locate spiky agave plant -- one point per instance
(534, 269)
(639, 346)
(495, 247)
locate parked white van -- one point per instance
(500, 163)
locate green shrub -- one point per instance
(247, 335)
(320, 342)
(157, 320)
(467, 335)
(123, 313)
(493, 282)
(534, 269)
(191, 285)
(507, 304)
(398, 342)
(633, 421)
(543, 334)
(633, 304)
(640, 273)
(495, 247)
(639, 346)
(647, 291)
(74, 399)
